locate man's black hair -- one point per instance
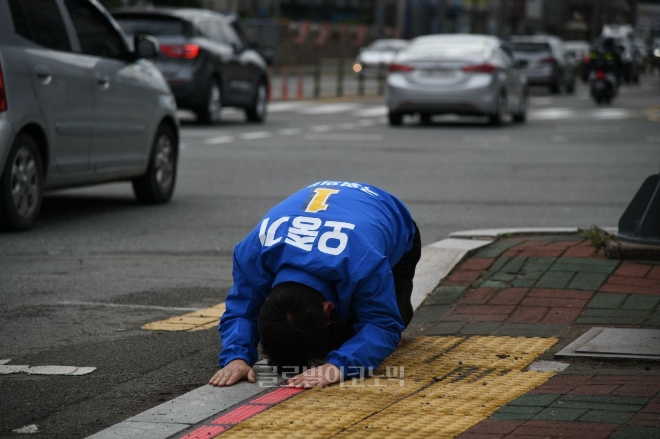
(293, 326)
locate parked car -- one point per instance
(461, 74)
(577, 53)
(205, 62)
(79, 105)
(378, 55)
(543, 60)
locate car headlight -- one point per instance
(656, 52)
(357, 67)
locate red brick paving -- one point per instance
(564, 429)
(594, 389)
(563, 294)
(655, 273)
(464, 275)
(528, 314)
(561, 245)
(561, 384)
(509, 296)
(579, 251)
(494, 426)
(540, 253)
(479, 296)
(562, 316)
(556, 302)
(631, 269)
(477, 264)
(646, 420)
(484, 309)
(629, 289)
(476, 317)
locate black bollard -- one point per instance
(340, 77)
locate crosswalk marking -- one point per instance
(219, 140)
(255, 135)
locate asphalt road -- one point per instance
(76, 290)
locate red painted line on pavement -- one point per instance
(240, 414)
(277, 396)
(205, 432)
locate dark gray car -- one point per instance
(543, 60)
(78, 106)
(205, 62)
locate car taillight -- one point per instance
(3, 93)
(548, 60)
(182, 51)
(480, 68)
(395, 68)
(600, 75)
(586, 59)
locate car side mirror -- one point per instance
(145, 46)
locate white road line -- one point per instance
(183, 146)
(329, 108)
(4, 362)
(278, 107)
(219, 140)
(347, 126)
(28, 429)
(366, 123)
(588, 129)
(46, 370)
(289, 131)
(346, 137)
(552, 114)
(372, 112)
(320, 128)
(126, 305)
(612, 113)
(255, 135)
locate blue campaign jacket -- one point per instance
(340, 238)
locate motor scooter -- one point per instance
(603, 85)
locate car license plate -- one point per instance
(437, 73)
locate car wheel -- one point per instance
(21, 187)
(157, 185)
(209, 114)
(498, 118)
(257, 112)
(396, 119)
(521, 115)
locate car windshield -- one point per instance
(530, 47)
(151, 25)
(448, 48)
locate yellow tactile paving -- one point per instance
(193, 321)
(449, 385)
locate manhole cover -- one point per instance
(616, 343)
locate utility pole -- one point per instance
(441, 9)
(380, 17)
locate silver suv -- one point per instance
(79, 105)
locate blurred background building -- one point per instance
(299, 29)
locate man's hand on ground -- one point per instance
(232, 373)
(320, 376)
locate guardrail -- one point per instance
(328, 77)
